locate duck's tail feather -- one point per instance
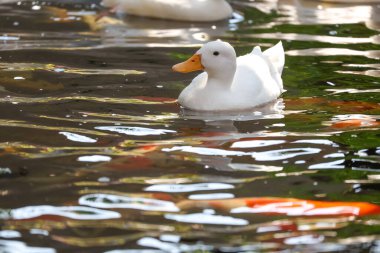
(257, 50)
(276, 56)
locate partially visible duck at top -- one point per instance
(180, 10)
(229, 83)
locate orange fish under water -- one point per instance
(354, 123)
(286, 206)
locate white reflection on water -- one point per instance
(374, 73)
(37, 231)
(134, 251)
(353, 91)
(254, 167)
(373, 54)
(136, 131)
(272, 155)
(256, 143)
(304, 239)
(373, 70)
(205, 218)
(94, 158)
(20, 247)
(189, 187)
(205, 151)
(78, 137)
(212, 196)
(10, 234)
(114, 201)
(8, 38)
(81, 13)
(334, 155)
(172, 247)
(319, 38)
(320, 12)
(318, 141)
(338, 164)
(72, 212)
(259, 247)
(170, 238)
(283, 154)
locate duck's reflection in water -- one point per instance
(220, 129)
(225, 145)
(223, 120)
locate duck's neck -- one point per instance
(218, 78)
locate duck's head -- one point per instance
(215, 56)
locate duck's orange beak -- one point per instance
(192, 64)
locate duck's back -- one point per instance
(182, 10)
(254, 83)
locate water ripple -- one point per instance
(353, 91)
(94, 158)
(212, 196)
(338, 164)
(78, 137)
(189, 187)
(271, 155)
(283, 154)
(373, 54)
(115, 201)
(206, 218)
(171, 247)
(205, 151)
(20, 66)
(256, 143)
(136, 131)
(319, 38)
(107, 100)
(72, 212)
(25, 124)
(10, 234)
(21, 247)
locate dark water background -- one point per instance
(97, 157)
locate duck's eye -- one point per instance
(216, 53)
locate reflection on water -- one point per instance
(15, 246)
(345, 12)
(97, 156)
(113, 201)
(72, 212)
(207, 218)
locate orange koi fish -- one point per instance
(286, 206)
(354, 123)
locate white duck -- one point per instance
(181, 10)
(230, 84)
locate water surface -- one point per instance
(96, 155)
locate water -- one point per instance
(96, 156)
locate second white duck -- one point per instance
(230, 83)
(181, 10)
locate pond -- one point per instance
(97, 156)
